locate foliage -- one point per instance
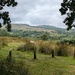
(55, 35)
(64, 49)
(70, 42)
(61, 48)
(3, 43)
(3, 32)
(5, 15)
(58, 35)
(27, 33)
(12, 67)
(28, 46)
(68, 8)
(44, 47)
(45, 36)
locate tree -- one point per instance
(68, 8)
(44, 36)
(5, 14)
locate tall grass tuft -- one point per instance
(64, 50)
(3, 42)
(44, 47)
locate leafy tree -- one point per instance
(44, 36)
(68, 8)
(5, 14)
(3, 32)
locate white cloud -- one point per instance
(37, 12)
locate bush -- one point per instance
(28, 46)
(45, 47)
(13, 68)
(60, 49)
(63, 50)
(3, 42)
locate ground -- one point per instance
(44, 65)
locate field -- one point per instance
(44, 64)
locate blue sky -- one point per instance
(37, 12)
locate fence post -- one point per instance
(35, 54)
(74, 53)
(52, 53)
(10, 54)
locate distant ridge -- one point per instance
(26, 27)
(39, 26)
(21, 24)
(48, 27)
(53, 31)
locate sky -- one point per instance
(37, 12)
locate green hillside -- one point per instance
(53, 33)
(25, 27)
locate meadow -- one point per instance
(63, 64)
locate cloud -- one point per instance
(37, 12)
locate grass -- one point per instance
(44, 65)
(53, 66)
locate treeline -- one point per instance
(27, 34)
(58, 35)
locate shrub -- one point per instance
(13, 68)
(45, 47)
(44, 36)
(63, 50)
(3, 42)
(28, 46)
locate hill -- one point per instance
(25, 30)
(49, 27)
(25, 27)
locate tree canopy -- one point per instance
(4, 15)
(68, 8)
(45, 36)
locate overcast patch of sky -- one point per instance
(37, 12)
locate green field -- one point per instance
(44, 65)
